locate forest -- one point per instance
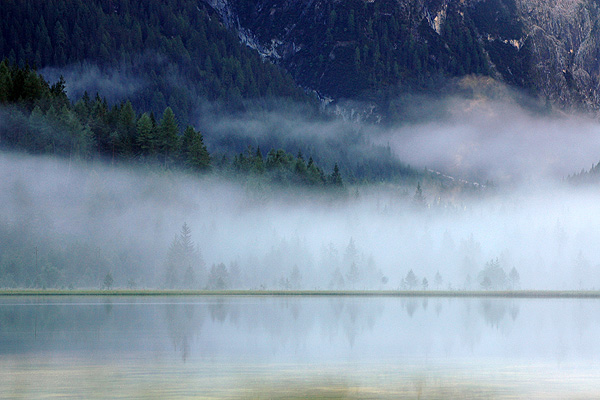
(39, 118)
(177, 49)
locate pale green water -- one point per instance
(298, 347)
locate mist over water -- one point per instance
(308, 347)
(285, 238)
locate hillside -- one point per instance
(373, 49)
(154, 53)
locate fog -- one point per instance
(113, 84)
(90, 219)
(500, 141)
(240, 347)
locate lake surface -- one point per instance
(298, 347)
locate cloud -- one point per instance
(113, 83)
(500, 141)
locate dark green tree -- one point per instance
(336, 177)
(146, 135)
(193, 149)
(168, 136)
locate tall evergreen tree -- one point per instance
(194, 152)
(167, 136)
(146, 135)
(336, 177)
(184, 264)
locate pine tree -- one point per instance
(108, 281)
(146, 135)
(419, 198)
(411, 279)
(194, 152)
(184, 264)
(336, 177)
(5, 81)
(167, 136)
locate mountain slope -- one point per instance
(352, 48)
(155, 53)
(367, 49)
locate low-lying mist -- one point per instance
(475, 137)
(68, 224)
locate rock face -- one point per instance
(563, 38)
(362, 49)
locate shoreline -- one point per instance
(551, 294)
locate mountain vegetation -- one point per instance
(177, 51)
(39, 118)
(352, 48)
(375, 50)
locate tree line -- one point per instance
(42, 120)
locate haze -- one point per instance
(127, 218)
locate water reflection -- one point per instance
(316, 346)
(293, 329)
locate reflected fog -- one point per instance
(342, 335)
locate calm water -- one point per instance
(273, 347)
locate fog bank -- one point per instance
(87, 220)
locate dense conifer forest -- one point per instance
(177, 49)
(39, 118)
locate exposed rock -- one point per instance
(550, 48)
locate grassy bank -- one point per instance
(313, 293)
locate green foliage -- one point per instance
(177, 47)
(281, 167)
(357, 48)
(336, 177)
(168, 136)
(146, 136)
(92, 129)
(194, 152)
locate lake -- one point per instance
(273, 347)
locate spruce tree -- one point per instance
(167, 136)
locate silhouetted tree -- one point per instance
(108, 281)
(184, 264)
(218, 277)
(493, 275)
(419, 199)
(336, 177)
(438, 280)
(411, 280)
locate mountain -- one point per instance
(376, 48)
(155, 53)
(178, 52)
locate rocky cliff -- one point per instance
(563, 39)
(366, 49)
